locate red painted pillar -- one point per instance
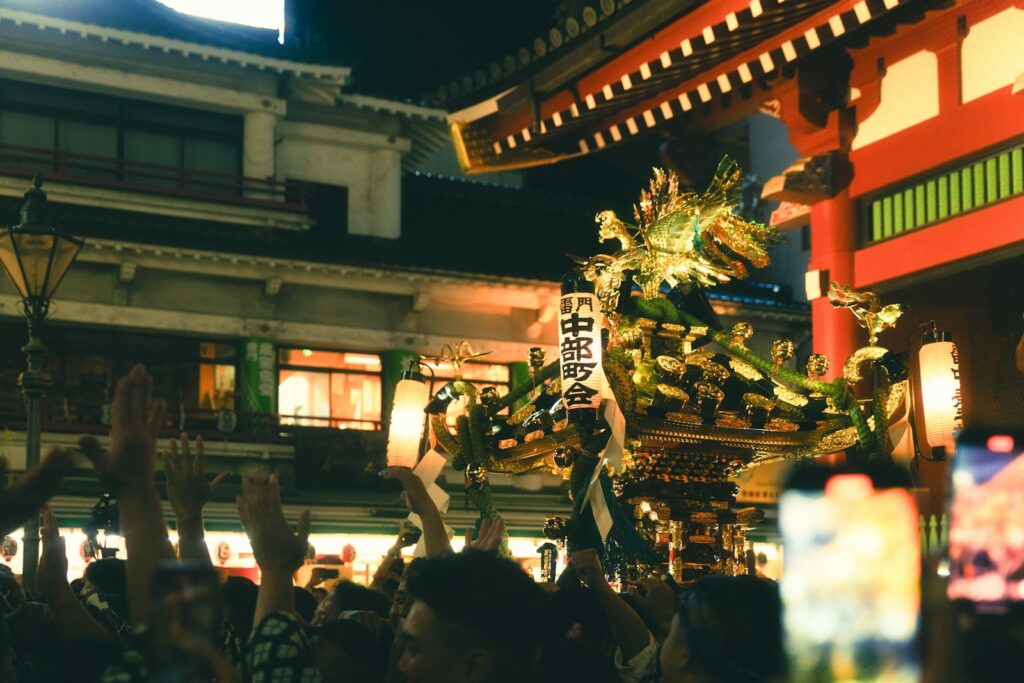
(834, 237)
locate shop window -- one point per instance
(329, 389)
(217, 376)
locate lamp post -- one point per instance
(35, 256)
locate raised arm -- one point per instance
(278, 550)
(628, 629)
(127, 470)
(188, 492)
(435, 536)
(27, 496)
(71, 618)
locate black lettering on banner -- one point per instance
(578, 394)
(574, 324)
(578, 371)
(577, 349)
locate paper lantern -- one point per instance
(940, 399)
(579, 341)
(407, 419)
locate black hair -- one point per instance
(352, 597)
(108, 576)
(564, 660)
(577, 605)
(305, 603)
(239, 595)
(742, 641)
(484, 598)
(356, 641)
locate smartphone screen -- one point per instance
(986, 536)
(850, 582)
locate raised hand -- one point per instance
(53, 561)
(588, 565)
(127, 470)
(492, 531)
(187, 488)
(276, 547)
(24, 498)
(135, 420)
(414, 493)
(656, 601)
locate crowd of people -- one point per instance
(164, 614)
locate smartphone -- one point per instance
(850, 584)
(986, 535)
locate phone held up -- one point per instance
(851, 583)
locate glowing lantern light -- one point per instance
(579, 336)
(941, 402)
(407, 419)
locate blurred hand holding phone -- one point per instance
(851, 583)
(986, 536)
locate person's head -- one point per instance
(575, 612)
(239, 594)
(345, 651)
(106, 576)
(350, 597)
(567, 659)
(727, 629)
(305, 604)
(401, 601)
(474, 620)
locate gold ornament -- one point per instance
(782, 350)
(709, 397)
(851, 369)
(476, 476)
(741, 332)
(867, 308)
(489, 396)
(537, 357)
(555, 528)
(457, 356)
(564, 457)
(745, 370)
(817, 366)
(680, 236)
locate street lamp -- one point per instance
(35, 256)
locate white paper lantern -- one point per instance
(941, 403)
(579, 336)
(407, 420)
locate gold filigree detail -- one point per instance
(787, 395)
(851, 369)
(745, 370)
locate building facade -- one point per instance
(906, 117)
(245, 239)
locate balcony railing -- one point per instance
(68, 411)
(172, 181)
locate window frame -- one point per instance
(329, 420)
